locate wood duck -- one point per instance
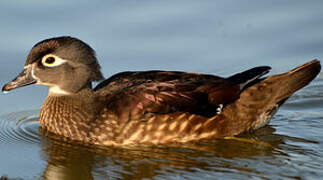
(150, 106)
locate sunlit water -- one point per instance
(221, 37)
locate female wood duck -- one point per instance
(150, 106)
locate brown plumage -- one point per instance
(150, 106)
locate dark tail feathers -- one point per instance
(246, 77)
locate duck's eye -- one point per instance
(52, 60)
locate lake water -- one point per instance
(219, 37)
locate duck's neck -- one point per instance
(70, 115)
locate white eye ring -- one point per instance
(51, 60)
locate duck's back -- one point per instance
(162, 107)
(134, 94)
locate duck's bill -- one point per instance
(23, 79)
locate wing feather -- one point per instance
(134, 95)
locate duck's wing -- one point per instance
(135, 95)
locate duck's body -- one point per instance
(152, 106)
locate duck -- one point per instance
(150, 107)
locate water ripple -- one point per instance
(21, 127)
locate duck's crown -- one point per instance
(67, 48)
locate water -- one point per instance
(204, 36)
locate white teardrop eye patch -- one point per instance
(51, 60)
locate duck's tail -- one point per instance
(261, 100)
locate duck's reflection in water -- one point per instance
(68, 160)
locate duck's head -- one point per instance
(65, 64)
